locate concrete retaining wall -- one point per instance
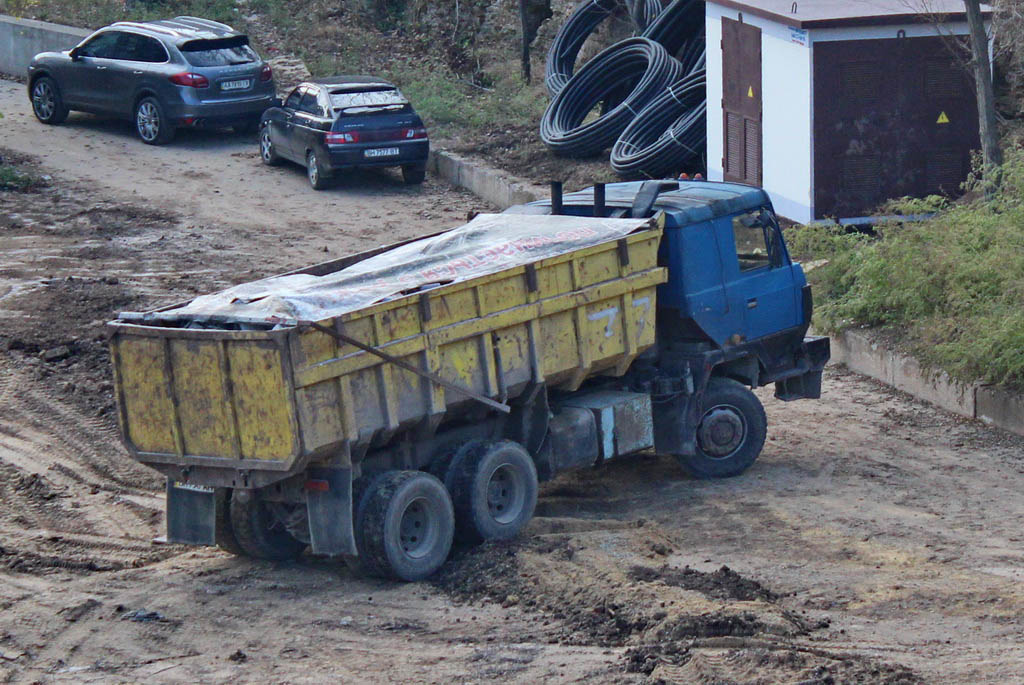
(995, 406)
(487, 183)
(23, 39)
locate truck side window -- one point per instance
(752, 240)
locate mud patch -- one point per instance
(721, 584)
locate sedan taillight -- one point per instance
(342, 138)
(191, 80)
(266, 73)
(415, 133)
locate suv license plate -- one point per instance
(381, 152)
(235, 85)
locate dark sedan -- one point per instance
(345, 122)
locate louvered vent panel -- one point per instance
(945, 170)
(734, 145)
(752, 156)
(860, 174)
(941, 81)
(860, 84)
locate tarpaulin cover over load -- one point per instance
(487, 244)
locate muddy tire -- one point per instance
(407, 526)
(47, 102)
(414, 174)
(258, 532)
(362, 487)
(224, 534)
(731, 432)
(494, 490)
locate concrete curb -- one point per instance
(993, 405)
(485, 182)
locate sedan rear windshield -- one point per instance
(219, 52)
(382, 97)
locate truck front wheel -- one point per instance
(731, 431)
(258, 531)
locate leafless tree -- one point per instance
(992, 153)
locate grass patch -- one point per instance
(952, 287)
(14, 179)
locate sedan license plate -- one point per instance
(381, 152)
(235, 85)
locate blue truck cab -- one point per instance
(732, 317)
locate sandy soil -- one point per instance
(877, 540)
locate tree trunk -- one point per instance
(992, 154)
(524, 25)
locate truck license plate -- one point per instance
(381, 152)
(235, 85)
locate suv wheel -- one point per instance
(268, 153)
(47, 103)
(315, 172)
(151, 123)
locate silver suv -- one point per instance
(162, 75)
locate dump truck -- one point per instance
(377, 407)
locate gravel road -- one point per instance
(877, 540)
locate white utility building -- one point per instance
(836, 106)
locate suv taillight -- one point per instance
(342, 138)
(266, 73)
(415, 133)
(191, 80)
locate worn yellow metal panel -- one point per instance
(262, 400)
(147, 403)
(206, 423)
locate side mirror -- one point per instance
(75, 54)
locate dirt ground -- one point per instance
(877, 539)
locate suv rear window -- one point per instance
(219, 52)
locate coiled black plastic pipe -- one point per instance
(639, 64)
(678, 24)
(561, 59)
(668, 135)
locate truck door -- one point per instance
(759, 276)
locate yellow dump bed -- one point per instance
(276, 400)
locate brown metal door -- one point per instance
(741, 101)
(892, 117)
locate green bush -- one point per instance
(952, 286)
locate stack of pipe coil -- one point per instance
(650, 89)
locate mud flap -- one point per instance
(329, 507)
(675, 424)
(191, 514)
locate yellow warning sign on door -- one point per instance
(943, 119)
(750, 93)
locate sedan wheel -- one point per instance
(317, 177)
(267, 152)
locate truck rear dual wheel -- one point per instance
(494, 489)
(404, 524)
(731, 432)
(257, 531)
